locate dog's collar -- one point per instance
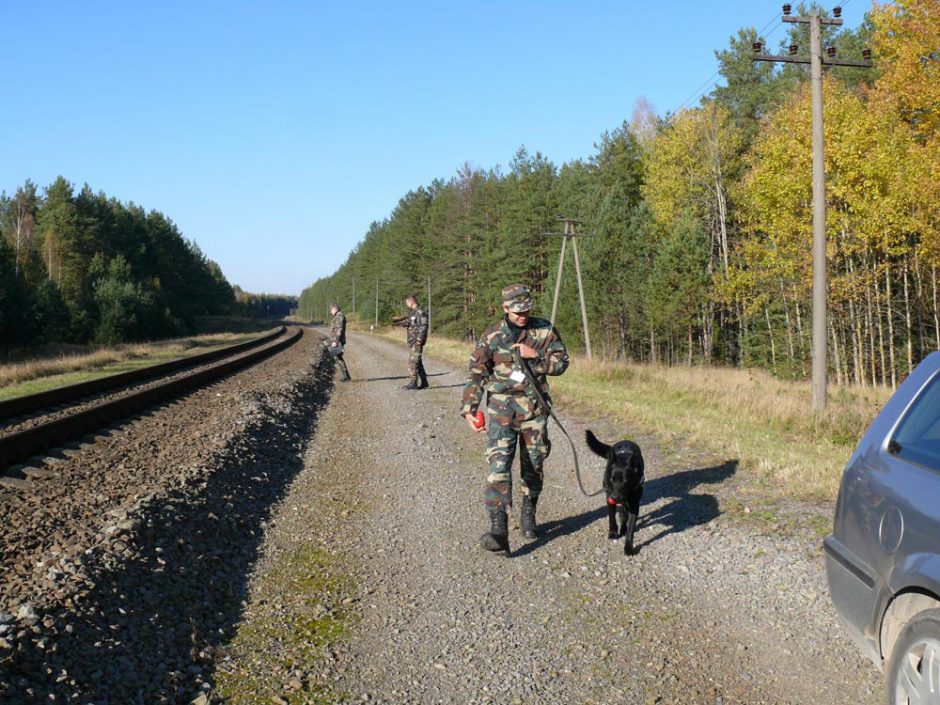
(612, 503)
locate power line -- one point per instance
(709, 82)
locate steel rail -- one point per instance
(20, 406)
(22, 445)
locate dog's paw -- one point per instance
(613, 535)
(630, 550)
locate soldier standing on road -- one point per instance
(416, 321)
(338, 337)
(515, 416)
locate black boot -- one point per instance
(411, 385)
(497, 538)
(527, 517)
(422, 380)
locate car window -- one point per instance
(918, 435)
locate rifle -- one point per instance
(546, 407)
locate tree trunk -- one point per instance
(799, 328)
(836, 358)
(858, 363)
(773, 347)
(786, 315)
(858, 339)
(921, 304)
(936, 312)
(907, 322)
(881, 332)
(722, 221)
(888, 297)
(708, 331)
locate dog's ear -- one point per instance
(601, 449)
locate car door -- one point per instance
(908, 531)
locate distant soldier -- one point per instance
(416, 321)
(515, 414)
(338, 338)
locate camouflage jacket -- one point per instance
(417, 324)
(493, 367)
(338, 329)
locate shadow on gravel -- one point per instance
(170, 590)
(383, 379)
(551, 530)
(684, 510)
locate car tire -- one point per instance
(913, 673)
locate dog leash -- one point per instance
(551, 412)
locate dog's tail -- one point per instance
(595, 445)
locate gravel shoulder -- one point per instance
(388, 505)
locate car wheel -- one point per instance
(914, 669)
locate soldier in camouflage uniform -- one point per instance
(416, 321)
(515, 415)
(338, 337)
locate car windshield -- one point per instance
(917, 438)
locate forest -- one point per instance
(698, 223)
(85, 268)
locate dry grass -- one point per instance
(60, 365)
(748, 415)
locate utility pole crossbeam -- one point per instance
(817, 60)
(570, 233)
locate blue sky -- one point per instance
(273, 133)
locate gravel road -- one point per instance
(710, 610)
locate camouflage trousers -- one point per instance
(342, 365)
(416, 363)
(514, 420)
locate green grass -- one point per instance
(307, 579)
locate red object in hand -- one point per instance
(479, 420)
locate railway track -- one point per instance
(50, 425)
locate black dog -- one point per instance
(623, 483)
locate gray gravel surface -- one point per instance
(710, 610)
(126, 567)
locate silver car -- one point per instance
(883, 557)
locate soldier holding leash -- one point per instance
(416, 321)
(338, 338)
(515, 413)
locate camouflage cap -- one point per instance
(517, 298)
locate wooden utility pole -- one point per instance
(570, 233)
(376, 303)
(354, 295)
(816, 60)
(429, 305)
